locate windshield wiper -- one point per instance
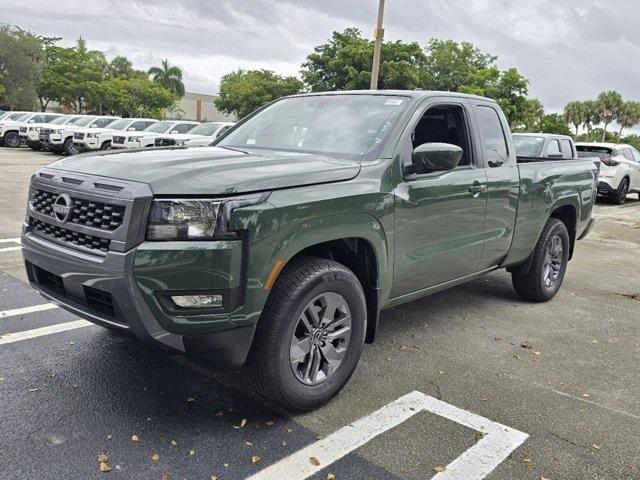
(234, 149)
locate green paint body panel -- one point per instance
(427, 233)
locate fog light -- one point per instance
(197, 301)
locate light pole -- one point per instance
(378, 35)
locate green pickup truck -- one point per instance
(277, 247)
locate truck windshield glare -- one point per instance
(346, 124)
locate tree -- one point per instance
(243, 91)
(633, 140)
(21, 56)
(169, 77)
(629, 116)
(590, 117)
(121, 67)
(345, 61)
(510, 91)
(532, 114)
(574, 114)
(554, 123)
(608, 105)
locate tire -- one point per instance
(542, 281)
(106, 145)
(12, 140)
(69, 148)
(304, 287)
(620, 195)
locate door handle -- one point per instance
(477, 188)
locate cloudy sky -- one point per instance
(568, 49)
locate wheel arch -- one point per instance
(567, 214)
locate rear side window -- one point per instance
(567, 150)
(636, 155)
(183, 128)
(495, 141)
(553, 149)
(102, 122)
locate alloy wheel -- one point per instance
(553, 261)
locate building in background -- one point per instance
(199, 107)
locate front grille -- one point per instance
(23, 129)
(118, 139)
(99, 300)
(78, 136)
(92, 214)
(45, 133)
(55, 232)
(165, 142)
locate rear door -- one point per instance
(635, 169)
(439, 216)
(503, 182)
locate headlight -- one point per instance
(132, 139)
(91, 135)
(195, 219)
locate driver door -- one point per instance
(439, 216)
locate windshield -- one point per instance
(119, 124)
(4, 115)
(59, 120)
(84, 121)
(102, 122)
(22, 117)
(527, 146)
(585, 151)
(159, 127)
(351, 125)
(206, 129)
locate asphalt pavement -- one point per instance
(564, 374)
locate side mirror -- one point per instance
(432, 157)
(131, 129)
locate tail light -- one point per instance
(610, 162)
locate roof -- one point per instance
(406, 93)
(542, 135)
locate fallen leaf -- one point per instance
(109, 437)
(314, 461)
(192, 452)
(220, 413)
(289, 430)
(597, 447)
(191, 399)
(135, 438)
(536, 353)
(404, 347)
(174, 443)
(586, 395)
(526, 460)
(526, 345)
(269, 423)
(33, 390)
(248, 444)
(319, 437)
(225, 465)
(155, 457)
(284, 443)
(439, 469)
(255, 459)
(103, 458)
(104, 467)
(243, 422)
(331, 476)
(441, 372)
(213, 477)
(165, 477)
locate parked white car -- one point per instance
(11, 116)
(202, 135)
(30, 134)
(147, 137)
(60, 140)
(10, 130)
(87, 139)
(619, 168)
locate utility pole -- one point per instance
(378, 35)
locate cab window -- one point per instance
(567, 150)
(495, 141)
(553, 149)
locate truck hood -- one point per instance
(182, 136)
(93, 130)
(212, 170)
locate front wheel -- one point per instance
(548, 265)
(69, 148)
(12, 140)
(106, 145)
(310, 335)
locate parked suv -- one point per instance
(147, 137)
(619, 169)
(202, 135)
(278, 247)
(30, 135)
(10, 131)
(60, 140)
(87, 139)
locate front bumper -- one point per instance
(121, 290)
(87, 144)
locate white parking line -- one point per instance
(25, 310)
(40, 332)
(474, 464)
(9, 249)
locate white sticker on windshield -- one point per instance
(394, 101)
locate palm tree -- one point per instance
(629, 116)
(608, 105)
(168, 76)
(574, 114)
(590, 116)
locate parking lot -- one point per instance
(537, 391)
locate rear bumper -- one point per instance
(105, 290)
